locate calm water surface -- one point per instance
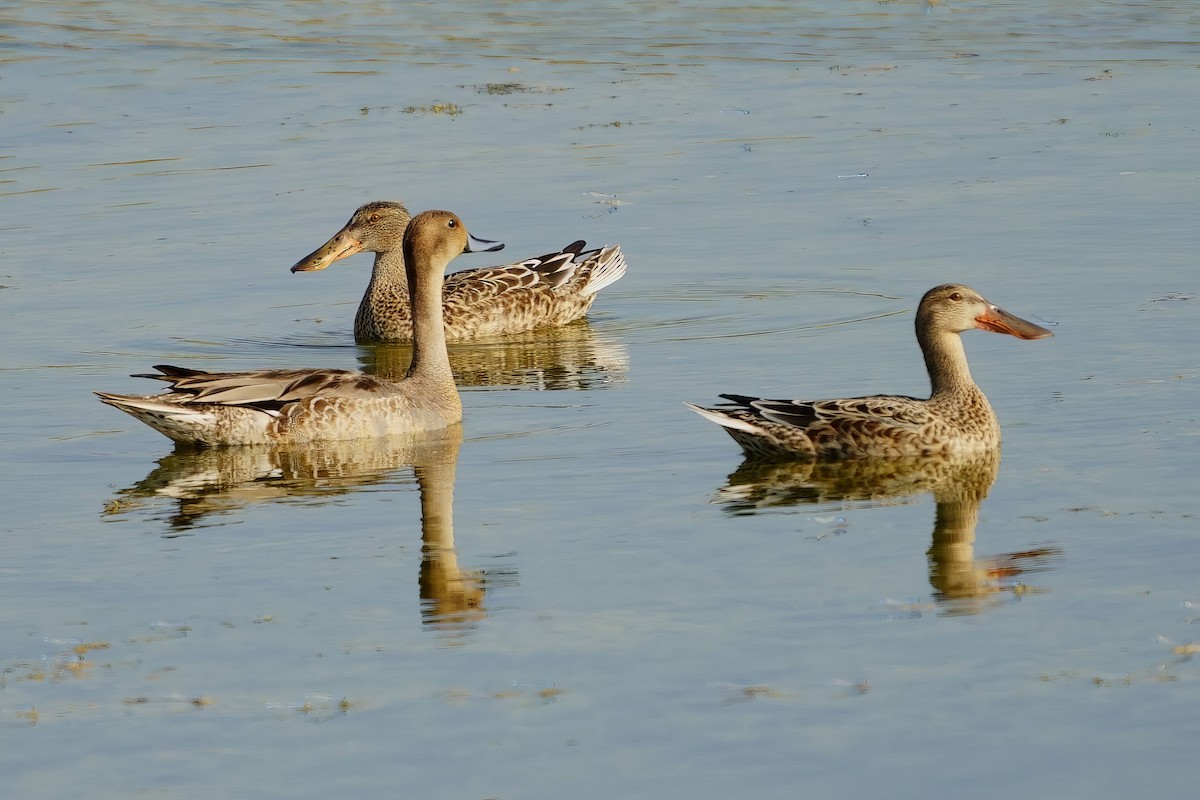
(583, 592)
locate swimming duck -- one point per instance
(553, 289)
(956, 418)
(310, 405)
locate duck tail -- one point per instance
(180, 423)
(608, 268)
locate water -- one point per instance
(587, 595)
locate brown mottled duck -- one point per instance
(312, 405)
(548, 290)
(955, 419)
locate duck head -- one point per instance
(437, 237)
(376, 227)
(955, 308)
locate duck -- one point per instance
(548, 290)
(303, 406)
(956, 418)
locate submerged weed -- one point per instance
(513, 88)
(449, 109)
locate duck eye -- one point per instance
(373, 217)
(956, 296)
(452, 223)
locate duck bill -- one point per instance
(998, 320)
(476, 245)
(342, 245)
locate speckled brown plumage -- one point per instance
(270, 406)
(539, 292)
(956, 418)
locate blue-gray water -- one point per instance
(613, 612)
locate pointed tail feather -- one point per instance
(166, 372)
(725, 421)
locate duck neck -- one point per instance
(388, 274)
(429, 357)
(386, 296)
(946, 361)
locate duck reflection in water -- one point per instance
(962, 583)
(571, 357)
(207, 486)
(451, 597)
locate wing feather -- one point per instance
(550, 271)
(270, 387)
